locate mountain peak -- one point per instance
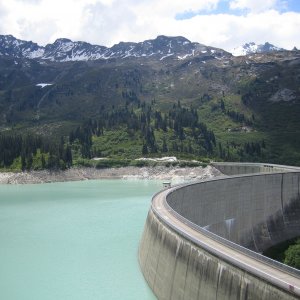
(175, 39)
(166, 37)
(251, 47)
(11, 46)
(62, 40)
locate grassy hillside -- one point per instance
(250, 104)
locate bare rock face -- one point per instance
(283, 95)
(76, 174)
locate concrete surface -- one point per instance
(254, 211)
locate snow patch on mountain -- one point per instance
(171, 54)
(184, 56)
(42, 85)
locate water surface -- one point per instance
(73, 240)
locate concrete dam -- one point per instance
(204, 240)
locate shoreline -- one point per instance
(84, 173)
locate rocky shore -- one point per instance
(73, 174)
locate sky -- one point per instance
(220, 23)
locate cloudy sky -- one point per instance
(220, 23)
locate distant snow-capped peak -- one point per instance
(251, 47)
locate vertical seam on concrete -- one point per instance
(186, 271)
(243, 290)
(252, 232)
(183, 197)
(201, 272)
(281, 196)
(175, 268)
(156, 238)
(146, 228)
(158, 256)
(217, 287)
(298, 185)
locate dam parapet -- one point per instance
(231, 168)
(203, 240)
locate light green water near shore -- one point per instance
(73, 240)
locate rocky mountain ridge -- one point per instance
(61, 50)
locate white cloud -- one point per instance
(253, 5)
(170, 9)
(28, 19)
(137, 20)
(229, 31)
(107, 22)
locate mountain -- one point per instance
(66, 50)
(250, 48)
(10, 46)
(167, 96)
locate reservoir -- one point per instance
(73, 240)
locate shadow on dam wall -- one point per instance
(254, 211)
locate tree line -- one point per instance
(183, 122)
(176, 130)
(33, 152)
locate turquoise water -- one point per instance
(74, 240)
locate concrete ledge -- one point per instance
(193, 246)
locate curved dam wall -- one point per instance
(254, 211)
(252, 168)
